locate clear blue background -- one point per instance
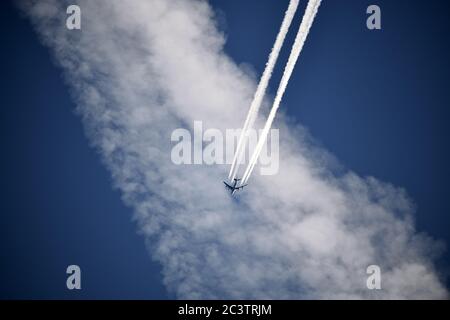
(378, 100)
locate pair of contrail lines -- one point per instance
(262, 86)
(308, 18)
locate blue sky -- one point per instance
(378, 101)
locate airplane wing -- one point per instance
(233, 189)
(227, 185)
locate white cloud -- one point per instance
(140, 69)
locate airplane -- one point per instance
(233, 188)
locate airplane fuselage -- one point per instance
(233, 188)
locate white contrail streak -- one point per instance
(308, 18)
(262, 86)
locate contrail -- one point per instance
(308, 18)
(262, 86)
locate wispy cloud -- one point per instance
(140, 69)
